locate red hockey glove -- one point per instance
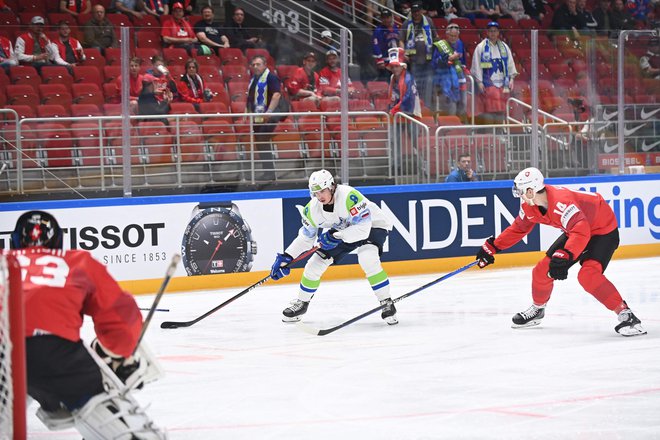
(486, 254)
(560, 262)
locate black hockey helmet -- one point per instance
(36, 228)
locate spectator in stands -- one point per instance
(463, 171)
(385, 36)
(99, 32)
(641, 10)
(493, 70)
(210, 33)
(449, 9)
(650, 61)
(157, 8)
(191, 86)
(490, 9)
(150, 101)
(7, 54)
(240, 36)
(264, 95)
(568, 21)
(34, 47)
(189, 6)
(304, 82)
(601, 14)
(469, 9)
(76, 7)
(514, 9)
(330, 76)
(535, 9)
(135, 84)
(620, 18)
(4, 7)
(132, 8)
(448, 73)
(163, 82)
(590, 23)
(327, 43)
(177, 32)
(402, 92)
(69, 50)
(417, 37)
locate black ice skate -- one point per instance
(389, 311)
(295, 311)
(629, 324)
(529, 317)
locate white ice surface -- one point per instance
(452, 369)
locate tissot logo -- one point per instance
(111, 237)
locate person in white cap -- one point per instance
(327, 43)
(590, 235)
(34, 47)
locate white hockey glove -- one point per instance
(129, 370)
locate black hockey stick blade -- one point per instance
(322, 332)
(154, 306)
(178, 324)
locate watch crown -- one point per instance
(253, 247)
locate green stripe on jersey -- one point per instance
(308, 213)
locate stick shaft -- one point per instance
(374, 310)
(177, 324)
(168, 276)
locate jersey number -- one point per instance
(54, 270)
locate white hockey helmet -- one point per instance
(320, 180)
(526, 179)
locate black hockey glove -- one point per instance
(122, 367)
(486, 254)
(560, 262)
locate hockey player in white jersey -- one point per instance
(349, 221)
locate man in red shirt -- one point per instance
(330, 76)
(590, 236)
(304, 83)
(177, 32)
(60, 287)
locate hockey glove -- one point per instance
(122, 367)
(560, 262)
(280, 269)
(486, 254)
(327, 241)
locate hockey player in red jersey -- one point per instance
(59, 288)
(590, 236)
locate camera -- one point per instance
(208, 95)
(162, 69)
(578, 104)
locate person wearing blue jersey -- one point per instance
(385, 36)
(340, 220)
(449, 78)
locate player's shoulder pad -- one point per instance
(354, 198)
(306, 215)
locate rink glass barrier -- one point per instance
(63, 130)
(436, 227)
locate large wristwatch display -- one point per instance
(217, 240)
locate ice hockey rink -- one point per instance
(452, 369)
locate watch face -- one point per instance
(216, 241)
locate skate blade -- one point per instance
(391, 320)
(635, 330)
(292, 319)
(532, 323)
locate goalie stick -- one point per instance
(322, 332)
(177, 324)
(168, 276)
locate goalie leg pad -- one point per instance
(114, 415)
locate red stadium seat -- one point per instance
(55, 94)
(53, 111)
(378, 89)
(24, 75)
(56, 75)
(220, 92)
(231, 55)
(22, 94)
(210, 74)
(88, 74)
(237, 90)
(145, 53)
(235, 72)
(113, 56)
(55, 141)
(175, 55)
(148, 39)
(86, 137)
(87, 93)
(85, 110)
(94, 57)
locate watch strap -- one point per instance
(204, 205)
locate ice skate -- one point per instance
(529, 318)
(389, 312)
(295, 311)
(629, 324)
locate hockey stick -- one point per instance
(157, 310)
(168, 276)
(177, 324)
(321, 332)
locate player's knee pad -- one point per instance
(590, 275)
(316, 266)
(115, 415)
(369, 259)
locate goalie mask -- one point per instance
(320, 180)
(529, 178)
(36, 228)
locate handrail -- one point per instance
(528, 106)
(374, 6)
(16, 146)
(398, 121)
